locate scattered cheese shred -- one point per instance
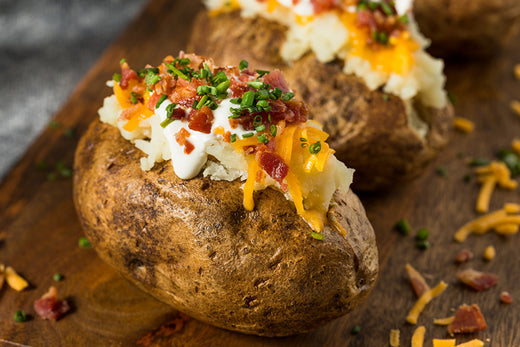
(504, 221)
(394, 337)
(515, 146)
(489, 253)
(516, 71)
(489, 176)
(418, 336)
(423, 300)
(443, 321)
(463, 125)
(484, 196)
(472, 343)
(14, 280)
(443, 342)
(515, 106)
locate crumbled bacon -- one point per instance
(276, 80)
(201, 120)
(153, 101)
(463, 256)
(185, 93)
(274, 165)
(181, 138)
(126, 75)
(477, 280)
(468, 319)
(506, 298)
(47, 307)
(127, 113)
(323, 5)
(418, 282)
(238, 87)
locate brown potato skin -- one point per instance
(191, 244)
(369, 133)
(468, 27)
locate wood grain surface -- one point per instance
(39, 230)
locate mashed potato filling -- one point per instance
(378, 41)
(228, 123)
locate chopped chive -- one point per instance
(257, 120)
(315, 148)
(51, 176)
(274, 130)
(261, 73)
(57, 277)
(247, 99)
(166, 122)
(42, 166)
(219, 78)
(169, 109)
(260, 128)
(255, 84)
(243, 65)
(511, 160)
(177, 72)
(233, 137)
(386, 8)
(83, 242)
(236, 101)
(263, 104)
(160, 101)
(20, 316)
(404, 19)
(66, 173)
(69, 132)
(201, 103)
(317, 236)
(54, 124)
(223, 86)
(262, 94)
(116, 77)
(134, 97)
(246, 135)
(386, 97)
(287, 96)
(212, 105)
(303, 139)
(355, 330)
(403, 226)
(441, 171)
(262, 138)
(479, 162)
(423, 244)
(122, 61)
(452, 97)
(304, 144)
(151, 78)
(275, 94)
(422, 234)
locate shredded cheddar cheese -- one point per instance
(472, 343)
(443, 342)
(14, 280)
(394, 337)
(515, 146)
(515, 106)
(418, 336)
(463, 125)
(516, 71)
(443, 321)
(504, 221)
(489, 253)
(491, 175)
(423, 300)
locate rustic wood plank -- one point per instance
(40, 229)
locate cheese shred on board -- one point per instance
(423, 300)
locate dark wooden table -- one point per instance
(39, 230)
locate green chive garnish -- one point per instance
(247, 99)
(404, 19)
(422, 234)
(386, 8)
(233, 137)
(441, 171)
(57, 277)
(355, 330)
(243, 65)
(151, 78)
(261, 73)
(315, 148)
(54, 124)
(317, 236)
(116, 77)
(403, 226)
(479, 162)
(246, 135)
(134, 97)
(262, 138)
(20, 316)
(84, 242)
(160, 101)
(42, 166)
(122, 61)
(274, 130)
(260, 128)
(287, 96)
(69, 133)
(423, 244)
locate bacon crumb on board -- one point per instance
(468, 319)
(418, 336)
(394, 337)
(506, 298)
(47, 307)
(417, 280)
(477, 280)
(463, 256)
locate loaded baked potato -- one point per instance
(383, 104)
(283, 253)
(468, 27)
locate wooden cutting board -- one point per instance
(39, 230)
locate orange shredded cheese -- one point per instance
(491, 175)
(489, 253)
(515, 106)
(14, 280)
(423, 300)
(443, 342)
(502, 221)
(515, 146)
(463, 125)
(418, 336)
(516, 71)
(394, 337)
(472, 343)
(443, 321)
(249, 186)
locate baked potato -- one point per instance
(371, 129)
(195, 244)
(468, 27)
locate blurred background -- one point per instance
(46, 46)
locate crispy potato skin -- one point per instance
(369, 133)
(192, 244)
(468, 27)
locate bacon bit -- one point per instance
(477, 280)
(238, 87)
(201, 120)
(506, 298)
(276, 80)
(323, 5)
(417, 280)
(185, 93)
(443, 321)
(127, 74)
(515, 106)
(468, 319)
(274, 165)
(127, 113)
(394, 337)
(463, 125)
(47, 307)
(153, 101)
(489, 253)
(463, 256)
(188, 147)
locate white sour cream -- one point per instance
(302, 8)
